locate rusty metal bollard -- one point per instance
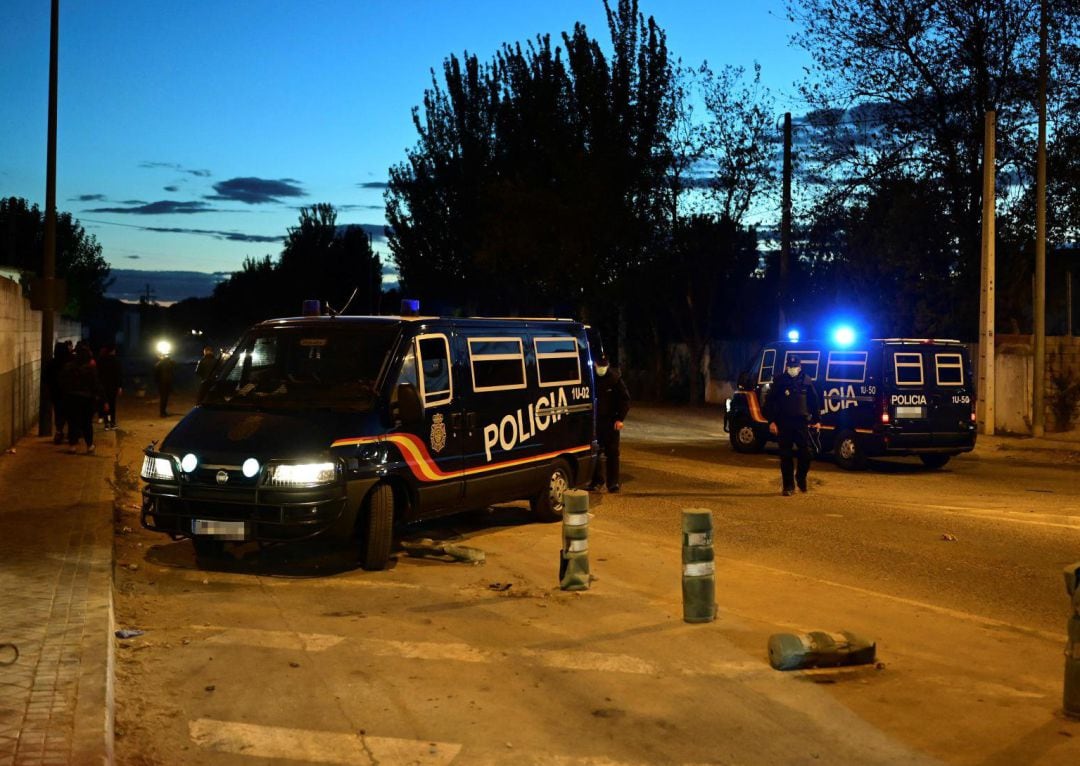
(574, 558)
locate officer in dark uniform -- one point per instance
(793, 407)
(612, 406)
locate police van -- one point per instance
(888, 397)
(346, 426)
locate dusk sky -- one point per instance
(191, 133)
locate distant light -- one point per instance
(164, 347)
(793, 336)
(843, 335)
(250, 467)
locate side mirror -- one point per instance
(409, 407)
(745, 382)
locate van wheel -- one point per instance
(376, 527)
(548, 503)
(934, 461)
(745, 438)
(849, 454)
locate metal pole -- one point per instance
(1038, 415)
(48, 266)
(785, 230)
(1068, 304)
(986, 293)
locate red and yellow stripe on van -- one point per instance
(424, 467)
(755, 407)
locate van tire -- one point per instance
(548, 503)
(376, 528)
(745, 438)
(933, 460)
(848, 451)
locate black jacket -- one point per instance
(793, 399)
(110, 372)
(612, 397)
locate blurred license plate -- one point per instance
(913, 413)
(226, 530)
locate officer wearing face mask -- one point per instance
(612, 406)
(793, 407)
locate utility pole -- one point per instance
(48, 266)
(985, 408)
(785, 230)
(1038, 415)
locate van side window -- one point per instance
(557, 361)
(435, 376)
(846, 367)
(950, 369)
(809, 360)
(498, 364)
(908, 369)
(768, 364)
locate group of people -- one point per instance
(82, 387)
(792, 408)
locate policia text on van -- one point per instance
(896, 396)
(344, 426)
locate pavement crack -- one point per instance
(364, 745)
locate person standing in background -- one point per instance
(163, 377)
(112, 383)
(82, 389)
(612, 406)
(54, 370)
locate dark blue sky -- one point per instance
(191, 133)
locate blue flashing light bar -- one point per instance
(843, 335)
(410, 307)
(312, 308)
(793, 335)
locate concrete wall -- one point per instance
(1013, 376)
(20, 361)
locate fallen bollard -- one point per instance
(574, 557)
(1072, 646)
(699, 569)
(428, 547)
(817, 649)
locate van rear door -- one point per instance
(951, 393)
(930, 394)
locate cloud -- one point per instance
(89, 198)
(133, 257)
(231, 236)
(163, 207)
(172, 188)
(373, 184)
(351, 208)
(174, 166)
(256, 191)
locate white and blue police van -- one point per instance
(346, 427)
(882, 397)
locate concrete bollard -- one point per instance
(817, 649)
(699, 569)
(574, 558)
(1072, 645)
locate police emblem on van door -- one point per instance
(438, 433)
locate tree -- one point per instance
(536, 180)
(78, 255)
(900, 89)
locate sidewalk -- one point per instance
(56, 556)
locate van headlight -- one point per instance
(301, 474)
(157, 467)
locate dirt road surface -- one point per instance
(299, 657)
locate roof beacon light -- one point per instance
(843, 335)
(410, 307)
(793, 336)
(164, 348)
(311, 308)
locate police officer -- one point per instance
(793, 407)
(612, 406)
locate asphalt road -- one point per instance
(299, 657)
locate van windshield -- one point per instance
(293, 367)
